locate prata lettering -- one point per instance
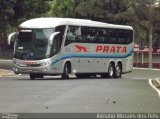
(111, 49)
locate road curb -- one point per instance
(4, 72)
(153, 86)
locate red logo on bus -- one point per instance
(81, 48)
(111, 49)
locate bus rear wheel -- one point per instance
(111, 70)
(118, 71)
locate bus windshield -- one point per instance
(33, 44)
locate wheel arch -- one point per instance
(111, 62)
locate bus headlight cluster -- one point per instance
(20, 64)
(44, 64)
(15, 69)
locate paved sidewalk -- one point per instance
(4, 72)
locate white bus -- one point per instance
(63, 46)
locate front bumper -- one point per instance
(31, 66)
(28, 70)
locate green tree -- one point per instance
(26, 9)
(63, 8)
(13, 12)
(148, 14)
(111, 11)
(6, 13)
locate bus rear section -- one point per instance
(96, 50)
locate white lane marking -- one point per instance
(158, 81)
(146, 69)
(150, 83)
(139, 78)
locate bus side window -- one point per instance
(88, 35)
(57, 41)
(78, 38)
(121, 37)
(113, 37)
(93, 35)
(60, 29)
(71, 35)
(124, 37)
(107, 35)
(84, 37)
(102, 36)
(129, 36)
(56, 46)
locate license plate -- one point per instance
(28, 70)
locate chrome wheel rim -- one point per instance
(118, 71)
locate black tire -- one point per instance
(104, 75)
(79, 76)
(66, 71)
(83, 75)
(33, 76)
(118, 71)
(111, 70)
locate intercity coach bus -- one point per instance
(63, 46)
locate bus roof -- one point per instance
(54, 22)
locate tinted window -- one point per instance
(125, 36)
(87, 35)
(72, 34)
(57, 41)
(100, 35)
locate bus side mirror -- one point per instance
(52, 37)
(11, 37)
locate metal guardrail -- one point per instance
(6, 55)
(141, 59)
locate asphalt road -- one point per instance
(20, 94)
(131, 93)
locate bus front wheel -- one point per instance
(33, 76)
(66, 71)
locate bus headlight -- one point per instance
(14, 62)
(19, 64)
(44, 64)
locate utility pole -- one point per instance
(150, 35)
